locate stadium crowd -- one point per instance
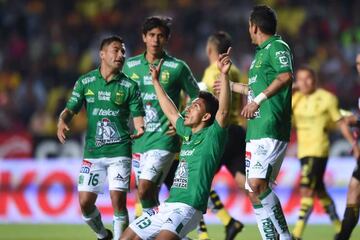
(46, 45)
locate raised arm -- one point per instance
(63, 124)
(234, 87)
(166, 104)
(224, 64)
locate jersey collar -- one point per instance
(117, 77)
(268, 41)
(145, 61)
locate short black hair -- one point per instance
(221, 40)
(108, 40)
(157, 22)
(264, 18)
(211, 104)
(309, 70)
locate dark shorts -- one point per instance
(312, 172)
(356, 173)
(234, 154)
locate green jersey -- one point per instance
(175, 76)
(198, 160)
(108, 106)
(273, 119)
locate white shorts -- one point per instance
(178, 218)
(152, 165)
(93, 174)
(263, 159)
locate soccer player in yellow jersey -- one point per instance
(234, 154)
(351, 215)
(314, 110)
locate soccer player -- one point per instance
(154, 152)
(203, 131)
(314, 110)
(269, 112)
(109, 97)
(351, 215)
(234, 154)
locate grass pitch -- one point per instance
(216, 232)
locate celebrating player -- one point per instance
(203, 131)
(109, 96)
(154, 152)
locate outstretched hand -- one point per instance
(155, 71)
(224, 62)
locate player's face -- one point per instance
(358, 63)
(113, 55)
(305, 82)
(195, 112)
(155, 40)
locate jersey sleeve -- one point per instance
(126, 69)
(77, 97)
(188, 82)
(280, 57)
(183, 131)
(333, 109)
(135, 102)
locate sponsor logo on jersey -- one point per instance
(153, 169)
(184, 153)
(105, 112)
(89, 93)
(169, 221)
(133, 63)
(151, 114)
(88, 80)
(148, 96)
(125, 83)
(170, 64)
(147, 80)
(104, 95)
(134, 76)
(181, 175)
(106, 133)
(76, 94)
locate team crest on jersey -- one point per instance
(165, 75)
(119, 97)
(181, 175)
(106, 133)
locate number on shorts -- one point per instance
(144, 223)
(93, 180)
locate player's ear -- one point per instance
(206, 117)
(144, 37)
(101, 54)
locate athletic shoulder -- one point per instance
(133, 61)
(88, 77)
